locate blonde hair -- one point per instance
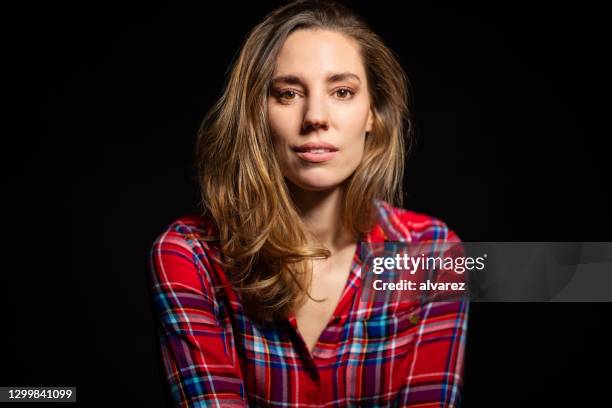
(262, 237)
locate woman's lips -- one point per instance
(316, 152)
(314, 156)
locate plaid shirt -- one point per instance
(214, 355)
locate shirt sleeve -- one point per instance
(435, 377)
(199, 357)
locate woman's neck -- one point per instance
(322, 213)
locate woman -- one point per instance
(300, 162)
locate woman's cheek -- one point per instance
(359, 152)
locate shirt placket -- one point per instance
(315, 387)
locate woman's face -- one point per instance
(319, 108)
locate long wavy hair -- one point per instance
(265, 244)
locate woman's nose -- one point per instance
(316, 114)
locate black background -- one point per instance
(104, 102)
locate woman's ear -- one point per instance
(370, 122)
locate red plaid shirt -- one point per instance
(214, 355)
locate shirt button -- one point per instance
(414, 319)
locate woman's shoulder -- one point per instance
(413, 226)
(183, 255)
(191, 240)
(191, 227)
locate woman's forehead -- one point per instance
(319, 54)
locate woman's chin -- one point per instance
(317, 184)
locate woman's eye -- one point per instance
(344, 93)
(286, 95)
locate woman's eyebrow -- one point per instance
(295, 80)
(343, 76)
